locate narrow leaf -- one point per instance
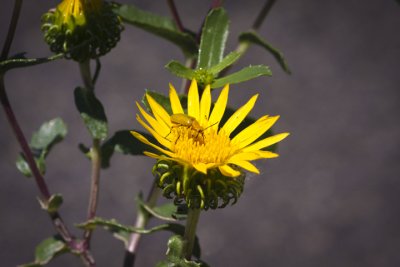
(242, 75)
(92, 112)
(213, 38)
(254, 38)
(121, 231)
(21, 61)
(180, 70)
(161, 26)
(166, 212)
(225, 62)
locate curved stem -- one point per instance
(175, 15)
(190, 231)
(11, 29)
(263, 14)
(141, 222)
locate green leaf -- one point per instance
(161, 26)
(20, 61)
(213, 38)
(166, 212)
(254, 38)
(47, 250)
(121, 231)
(124, 142)
(113, 226)
(92, 112)
(53, 204)
(225, 62)
(180, 70)
(175, 254)
(50, 133)
(242, 75)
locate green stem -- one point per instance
(11, 29)
(141, 221)
(84, 68)
(190, 231)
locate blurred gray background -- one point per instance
(330, 199)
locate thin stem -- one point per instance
(175, 15)
(95, 154)
(11, 29)
(190, 231)
(263, 14)
(96, 71)
(141, 222)
(84, 68)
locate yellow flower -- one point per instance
(196, 138)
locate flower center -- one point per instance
(201, 146)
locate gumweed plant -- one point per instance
(202, 148)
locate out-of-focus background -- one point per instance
(330, 199)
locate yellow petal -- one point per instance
(158, 111)
(161, 139)
(254, 131)
(161, 129)
(201, 167)
(246, 165)
(175, 102)
(193, 100)
(239, 115)
(205, 105)
(143, 139)
(228, 171)
(266, 142)
(219, 108)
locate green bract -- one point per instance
(205, 191)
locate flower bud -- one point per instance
(81, 29)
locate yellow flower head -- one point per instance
(197, 139)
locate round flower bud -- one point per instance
(81, 29)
